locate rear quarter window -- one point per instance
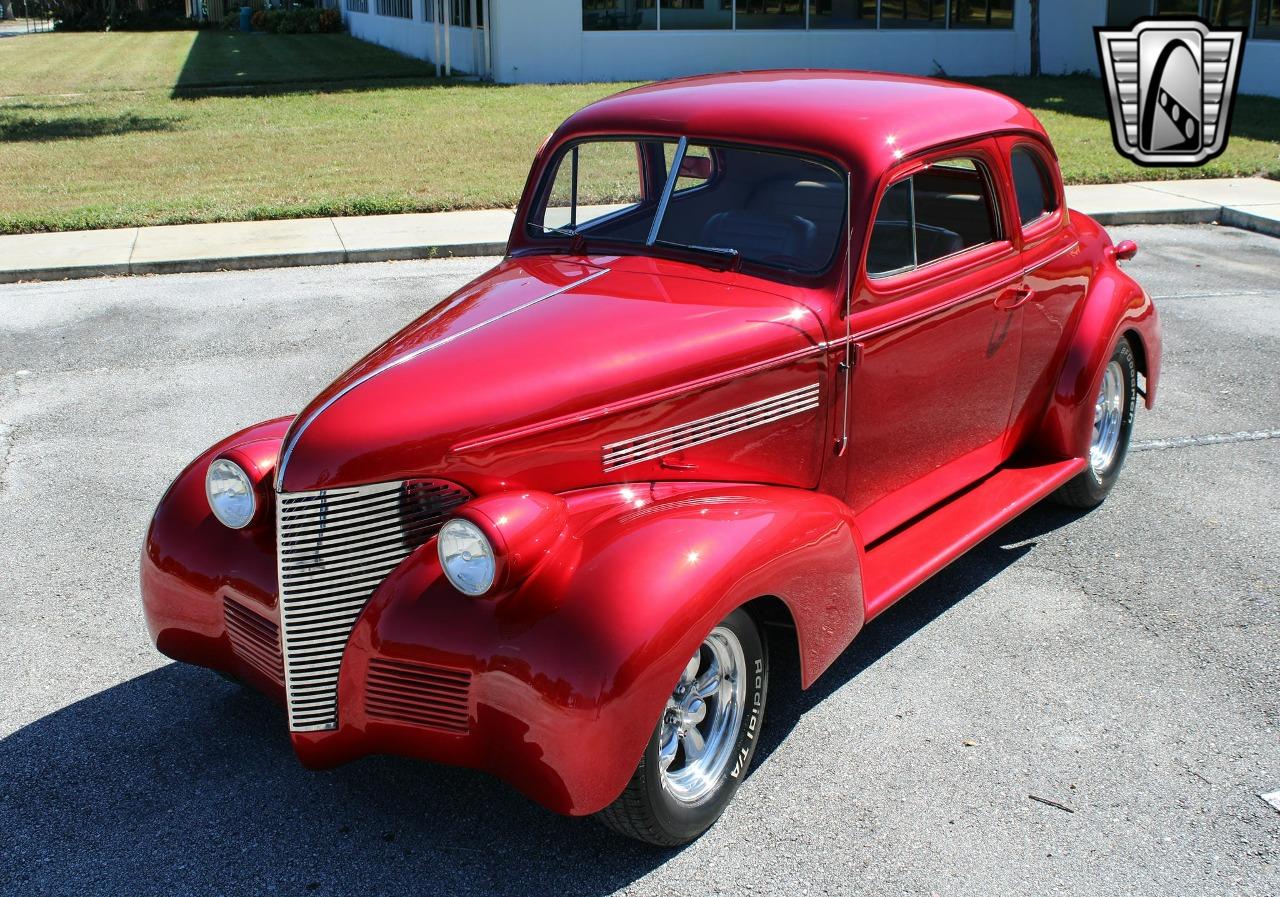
(1032, 185)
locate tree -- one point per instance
(1035, 38)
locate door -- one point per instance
(936, 328)
(1056, 278)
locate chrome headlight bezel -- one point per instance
(453, 535)
(227, 488)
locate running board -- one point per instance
(904, 559)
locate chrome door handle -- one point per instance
(1014, 296)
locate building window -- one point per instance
(1177, 7)
(681, 15)
(619, 15)
(913, 13)
(1220, 13)
(401, 9)
(842, 13)
(747, 15)
(1230, 13)
(982, 13)
(1120, 13)
(461, 15)
(769, 14)
(1267, 27)
(357, 5)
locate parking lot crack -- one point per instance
(1151, 445)
(6, 448)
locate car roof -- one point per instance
(868, 120)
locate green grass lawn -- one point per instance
(110, 130)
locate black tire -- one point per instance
(1090, 487)
(646, 811)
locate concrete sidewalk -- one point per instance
(1250, 203)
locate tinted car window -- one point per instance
(772, 209)
(1032, 185)
(937, 212)
(777, 210)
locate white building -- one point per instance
(516, 41)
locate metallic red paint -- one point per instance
(970, 398)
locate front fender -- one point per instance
(191, 562)
(570, 669)
(1115, 306)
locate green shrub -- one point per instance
(298, 21)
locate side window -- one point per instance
(594, 179)
(1032, 184)
(696, 170)
(944, 209)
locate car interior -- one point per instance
(775, 209)
(938, 212)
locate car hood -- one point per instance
(514, 380)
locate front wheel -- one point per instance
(701, 748)
(1113, 413)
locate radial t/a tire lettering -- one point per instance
(703, 744)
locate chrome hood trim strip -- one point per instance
(659, 443)
(301, 428)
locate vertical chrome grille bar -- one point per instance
(334, 548)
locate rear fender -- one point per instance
(1115, 307)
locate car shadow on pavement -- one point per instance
(179, 782)
(788, 703)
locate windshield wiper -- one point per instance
(732, 257)
(562, 231)
(577, 241)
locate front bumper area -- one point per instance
(425, 673)
(414, 681)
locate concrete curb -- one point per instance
(1158, 216)
(248, 245)
(1246, 220)
(253, 262)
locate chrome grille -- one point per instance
(335, 547)
(659, 443)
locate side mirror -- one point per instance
(1124, 250)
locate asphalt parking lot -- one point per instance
(1121, 664)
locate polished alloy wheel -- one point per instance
(1107, 414)
(700, 725)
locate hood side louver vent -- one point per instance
(660, 443)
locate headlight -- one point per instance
(230, 493)
(467, 557)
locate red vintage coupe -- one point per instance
(766, 348)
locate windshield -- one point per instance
(735, 203)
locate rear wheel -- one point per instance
(1113, 412)
(701, 748)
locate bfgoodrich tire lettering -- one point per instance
(655, 807)
(1109, 446)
